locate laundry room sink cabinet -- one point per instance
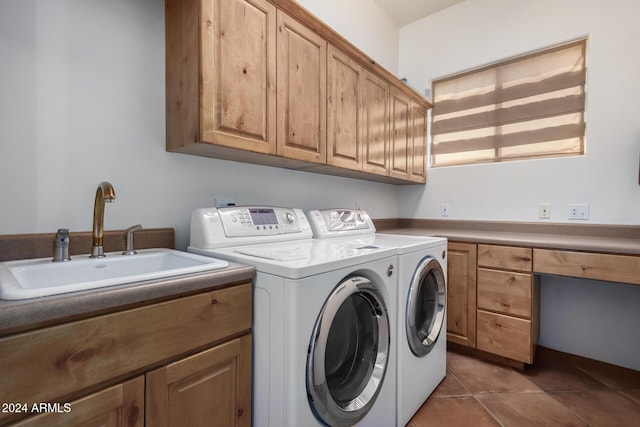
(266, 82)
(185, 361)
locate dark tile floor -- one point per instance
(557, 390)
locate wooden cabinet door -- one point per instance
(301, 92)
(344, 110)
(121, 405)
(400, 135)
(375, 125)
(211, 388)
(418, 144)
(238, 73)
(461, 293)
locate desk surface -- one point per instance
(613, 239)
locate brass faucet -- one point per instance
(105, 193)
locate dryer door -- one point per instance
(425, 306)
(348, 353)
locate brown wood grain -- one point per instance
(375, 118)
(505, 257)
(612, 268)
(301, 92)
(505, 336)
(461, 293)
(121, 405)
(58, 361)
(344, 110)
(505, 291)
(208, 388)
(238, 69)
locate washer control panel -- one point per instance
(244, 221)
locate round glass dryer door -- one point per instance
(425, 306)
(348, 353)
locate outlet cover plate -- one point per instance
(579, 211)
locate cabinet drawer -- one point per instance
(505, 291)
(612, 268)
(68, 358)
(505, 257)
(504, 335)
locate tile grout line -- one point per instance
(580, 417)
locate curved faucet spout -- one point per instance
(104, 193)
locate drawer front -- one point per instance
(504, 335)
(45, 364)
(504, 291)
(612, 268)
(505, 257)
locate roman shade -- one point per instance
(525, 107)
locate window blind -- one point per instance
(526, 107)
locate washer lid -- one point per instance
(274, 254)
(401, 243)
(302, 258)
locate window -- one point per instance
(527, 107)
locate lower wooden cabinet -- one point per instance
(505, 336)
(461, 293)
(212, 388)
(183, 362)
(121, 405)
(493, 300)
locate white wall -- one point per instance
(478, 32)
(595, 319)
(364, 24)
(83, 100)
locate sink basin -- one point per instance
(40, 277)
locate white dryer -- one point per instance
(324, 317)
(421, 311)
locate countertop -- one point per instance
(22, 315)
(613, 239)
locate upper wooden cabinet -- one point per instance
(375, 124)
(344, 101)
(224, 93)
(264, 81)
(408, 138)
(302, 92)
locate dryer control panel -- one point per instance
(340, 222)
(244, 225)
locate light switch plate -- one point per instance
(544, 210)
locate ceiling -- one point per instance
(406, 11)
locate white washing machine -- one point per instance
(323, 319)
(421, 311)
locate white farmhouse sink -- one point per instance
(32, 278)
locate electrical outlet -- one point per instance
(544, 210)
(579, 211)
(222, 202)
(444, 209)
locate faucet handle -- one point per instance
(61, 246)
(129, 239)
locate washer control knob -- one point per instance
(289, 218)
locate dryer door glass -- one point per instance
(425, 306)
(348, 353)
